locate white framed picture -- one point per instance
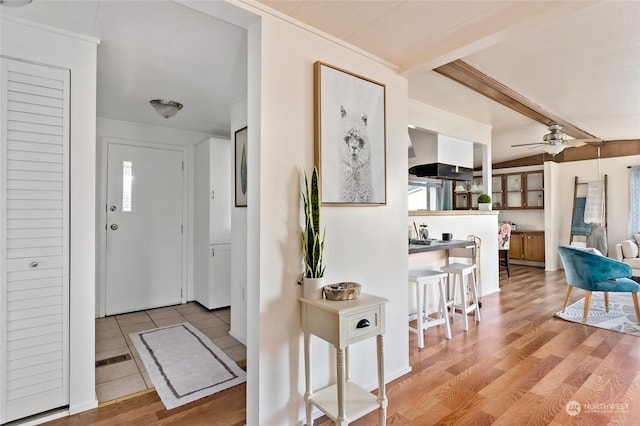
(350, 137)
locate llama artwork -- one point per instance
(355, 159)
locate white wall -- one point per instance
(358, 248)
(238, 240)
(617, 193)
(37, 43)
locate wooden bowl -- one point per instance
(342, 291)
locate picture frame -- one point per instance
(240, 167)
(350, 137)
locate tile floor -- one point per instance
(112, 339)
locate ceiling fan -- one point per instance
(555, 141)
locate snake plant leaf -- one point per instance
(243, 170)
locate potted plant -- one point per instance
(312, 240)
(484, 202)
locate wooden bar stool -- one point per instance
(460, 271)
(422, 278)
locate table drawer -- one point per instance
(363, 324)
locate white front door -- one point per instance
(144, 228)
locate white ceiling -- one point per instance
(580, 60)
(156, 49)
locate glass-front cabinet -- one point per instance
(514, 190)
(521, 190)
(497, 193)
(534, 190)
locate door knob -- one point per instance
(114, 226)
(113, 208)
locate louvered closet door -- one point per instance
(34, 276)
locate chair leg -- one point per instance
(566, 298)
(606, 301)
(443, 309)
(506, 261)
(474, 295)
(587, 301)
(635, 303)
(420, 319)
(463, 302)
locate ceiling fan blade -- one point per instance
(528, 144)
(582, 142)
(591, 140)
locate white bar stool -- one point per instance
(422, 278)
(459, 272)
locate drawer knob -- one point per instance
(363, 323)
(34, 264)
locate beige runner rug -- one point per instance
(184, 364)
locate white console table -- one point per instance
(342, 323)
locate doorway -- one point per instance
(144, 227)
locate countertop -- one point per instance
(453, 212)
(440, 245)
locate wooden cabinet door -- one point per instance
(515, 246)
(534, 190)
(514, 191)
(461, 201)
(534, 247)
(497, 192)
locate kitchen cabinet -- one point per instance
(217, 293)
(212, 223)
(534, 190)
(527, 245)
(461, 200)
(523, 190)
(497, 192)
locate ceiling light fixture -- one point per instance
(554, 148)
(166, 107)
(15, 3)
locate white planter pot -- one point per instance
(312, 288)
(484, 206)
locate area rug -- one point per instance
(621, 316)
(184, 364)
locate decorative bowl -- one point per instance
(342, 291)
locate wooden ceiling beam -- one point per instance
(474, 79)
(608, 149)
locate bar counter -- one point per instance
(440, 245)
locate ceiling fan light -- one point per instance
(165, 107)
(554, 149)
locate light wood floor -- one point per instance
(518, 366)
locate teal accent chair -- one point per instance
(594, 272)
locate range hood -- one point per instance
(442, 171)
(439, 156)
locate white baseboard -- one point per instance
(42, 418)
(238, 338)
